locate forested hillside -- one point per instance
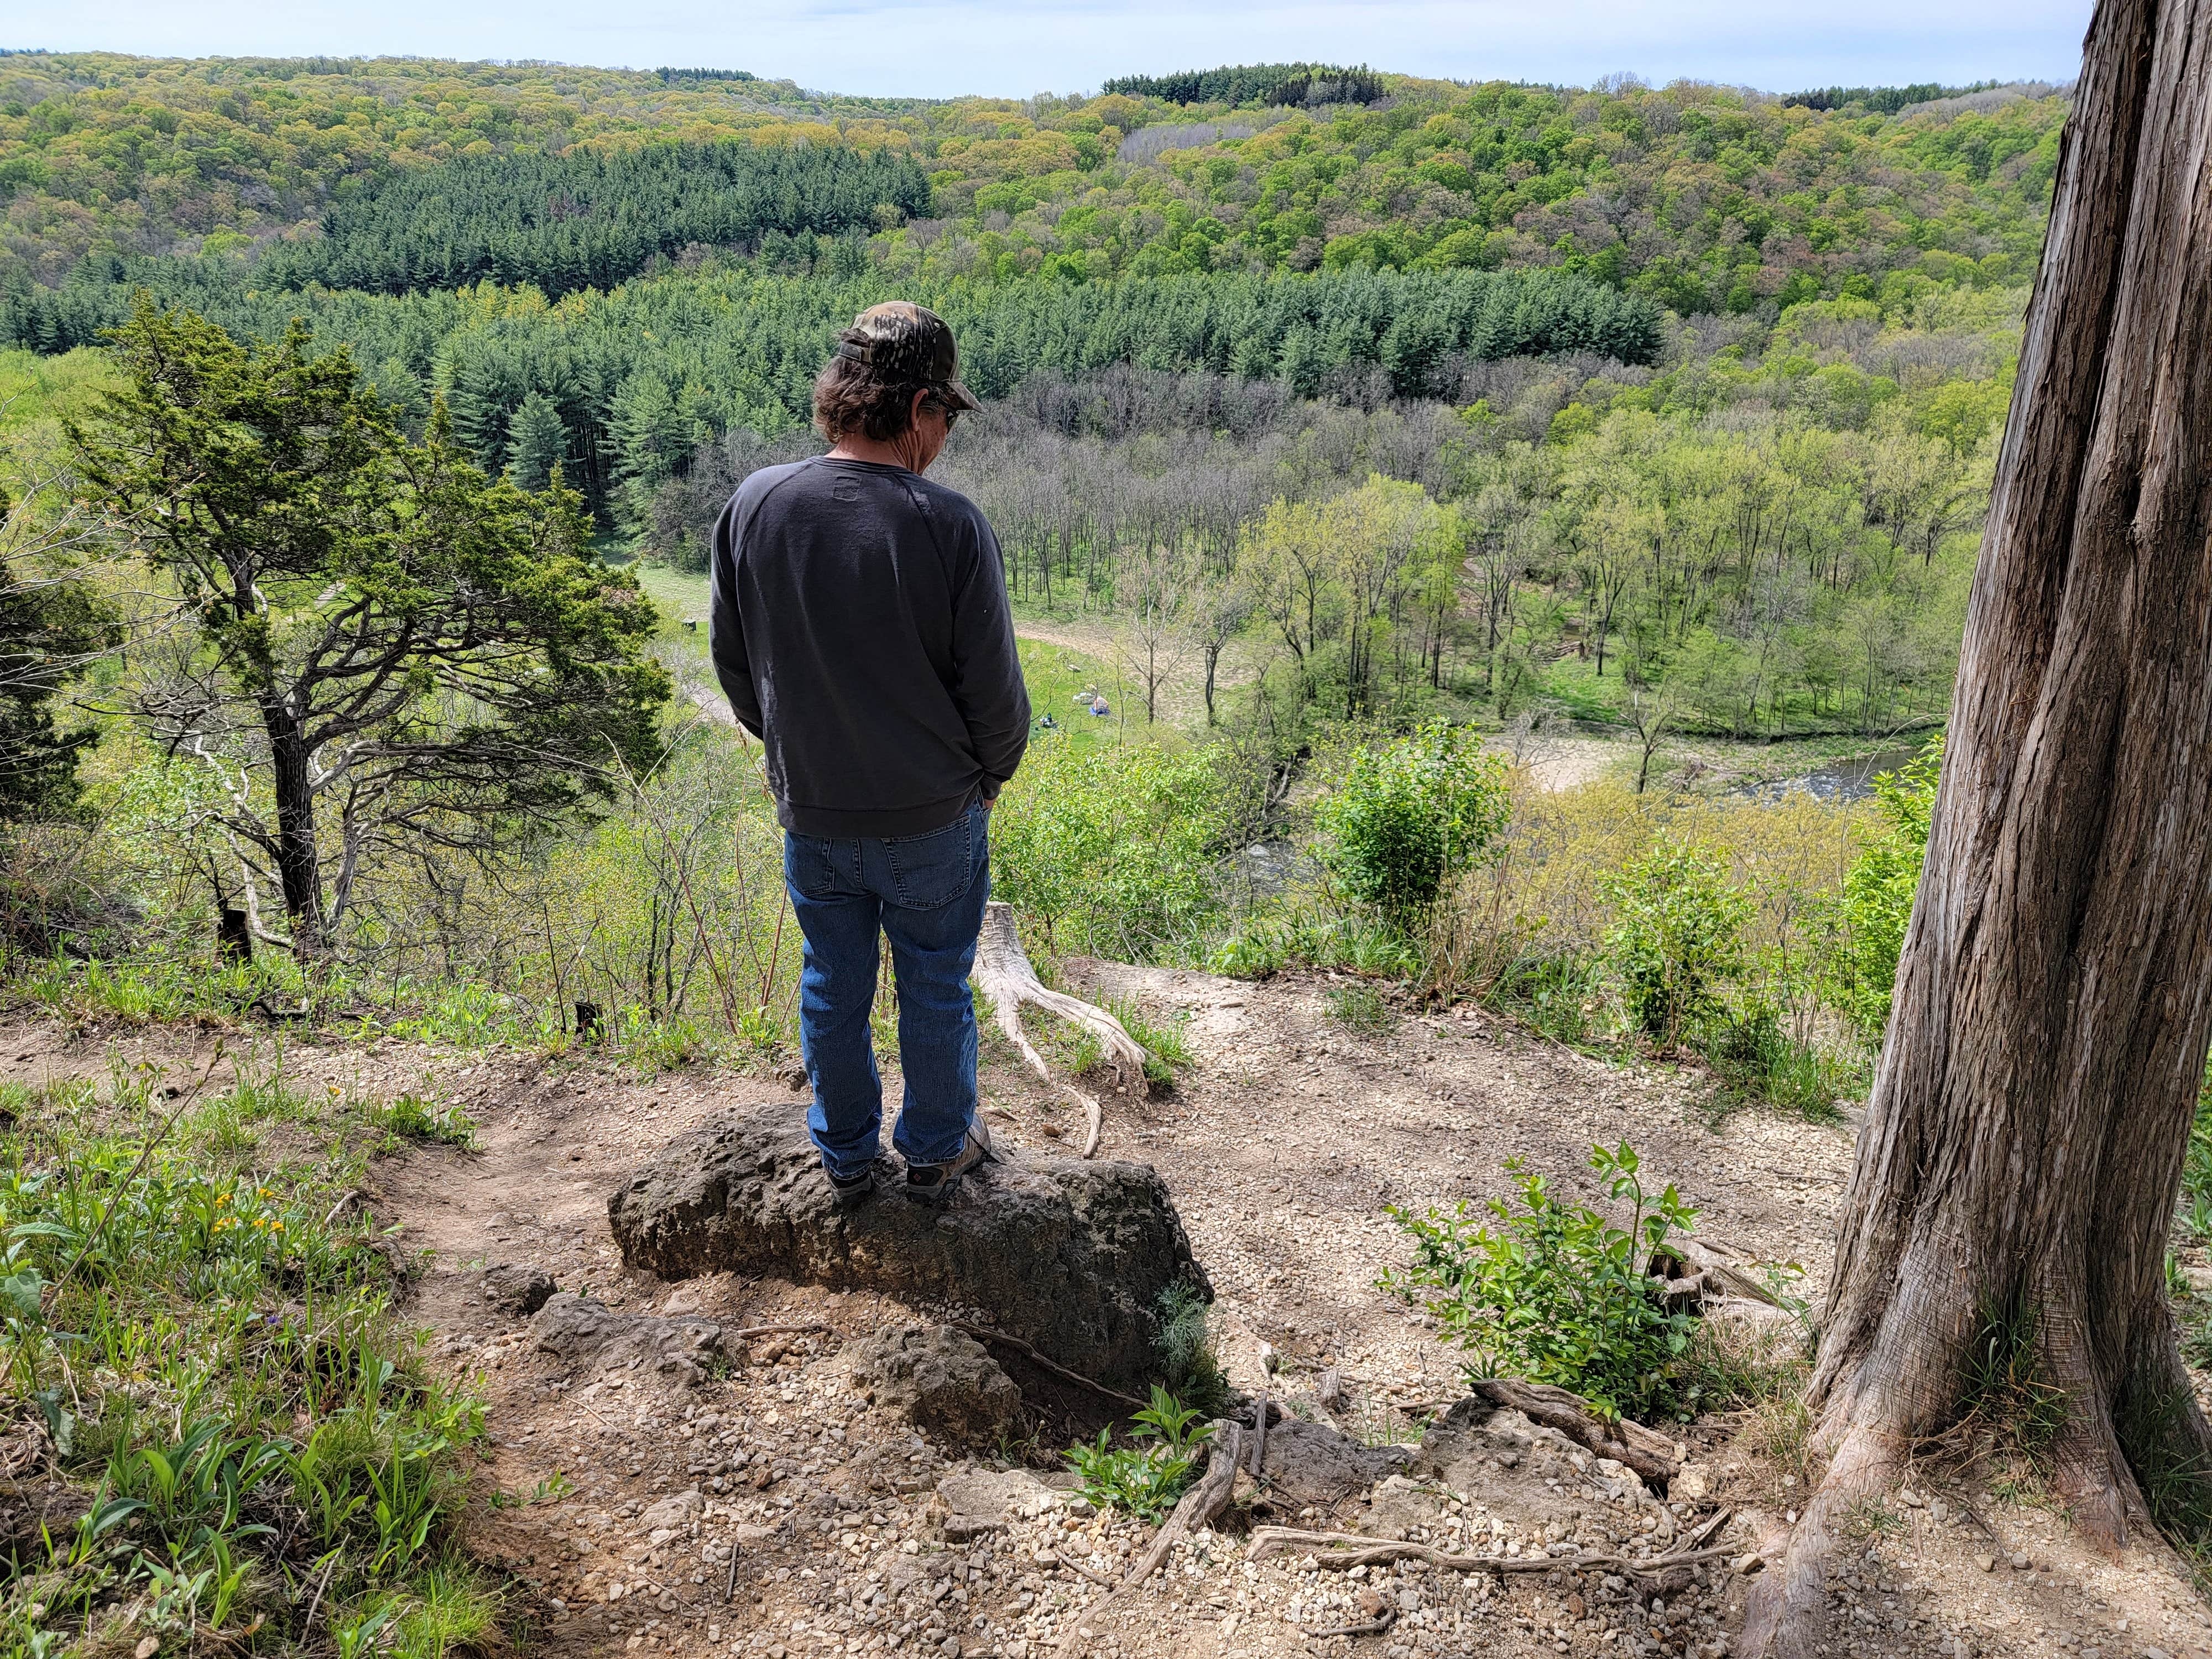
(1697, 384)
(1705, 197)
(589, 219)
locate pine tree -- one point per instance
(49, 624)
(537, 441)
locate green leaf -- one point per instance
(23, 1294)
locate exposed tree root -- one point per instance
(1783, 1614)
(985, 1334)
(1200, 1505)
(1340, 1551)
(1648, 1452)
(1002, 973)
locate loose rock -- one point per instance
(937, 1378)
(1312, 1463)
(676, 1511)
(575, 1328)
(517, 1289)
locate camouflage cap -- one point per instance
(908, 345)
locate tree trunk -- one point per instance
(2023, 1146)
(299, 869)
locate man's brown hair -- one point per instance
(851, 396)
(891, 351)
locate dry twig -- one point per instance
(1375, 1626)
(1052, 1366)
(1080, 1570)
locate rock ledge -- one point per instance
(1069, 1255)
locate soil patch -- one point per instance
(768, 1508)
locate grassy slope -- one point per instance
(1054, 673)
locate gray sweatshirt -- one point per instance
(859, 628)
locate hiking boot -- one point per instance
(932, 1183)
(851, 1193)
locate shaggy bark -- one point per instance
(2024, 1143)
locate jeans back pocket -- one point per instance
(935, 869)
(813, 865)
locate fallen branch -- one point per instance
(353, 1195)
(1650, 1454)
(1339, 1552)
(1052, 1366)
(1375, 1626)
(798, 1329)
(1712, 1267)
(1200, 1505)
(1078, 1568)
(1259, 1439)
(1002, 973)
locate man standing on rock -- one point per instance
(859, 627)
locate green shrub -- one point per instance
(1677, 934)
(1112, 850)
(1870, 915)
(1558, 1293)
(1410, 814)
(1188, 1358)
(1755, 1055)
(1143, 1481)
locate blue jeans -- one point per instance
(925, 894)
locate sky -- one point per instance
(943, 48)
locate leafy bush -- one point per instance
(1409, 815)
(1143, 1481)
(1558, 1293)
(1112, 849)
(1876, 902)
(1677, 932)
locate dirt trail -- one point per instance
(1281, 1147)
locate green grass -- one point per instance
(1361, 1009)
(1055, 674)
(676, 594)
(1166, 1044)
(224, 1379)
